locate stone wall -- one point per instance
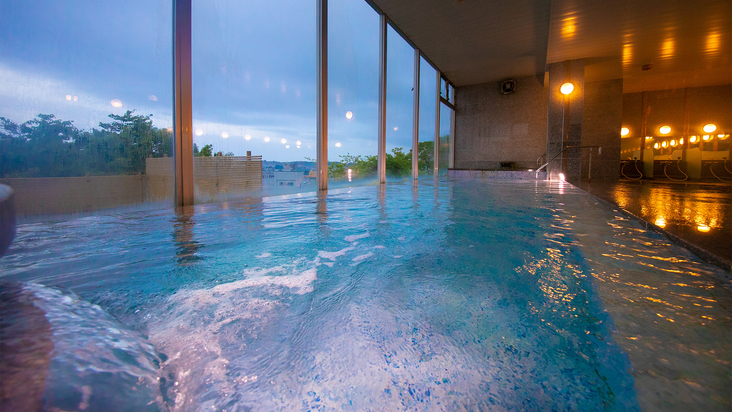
(491, 127)
(602, 118)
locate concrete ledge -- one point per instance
(495, 174)
(7, 218)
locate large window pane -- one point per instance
(253, 92)
(353, 80)
(427, 103)
(85, 104)
(399, 106)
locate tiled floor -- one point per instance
(699, 213)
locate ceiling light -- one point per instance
(709, 128)
(673, 143)
(655, 146)
(624, 131)
(665, 130)
(706, 137)
(664, 144)
(693, 139)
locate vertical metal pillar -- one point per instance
(436, 155)
(415, 118)
(381, 164)
(183, 113)
(451, 154)
(321, 156)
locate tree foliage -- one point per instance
(398, 163)
(49, 147)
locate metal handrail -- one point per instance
(599, 151)
(538, 159)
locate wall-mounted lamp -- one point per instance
(722, 136)
(681, 141)
(566, 88)
(624, 131)
(706, 137)
(673, 143)
(664, 144)
(649, 137)
(665, 130)
(693, 139)
(709, 128)
(655, 146)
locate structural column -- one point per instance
(436, 154)
(321, 156)
(381, 163)
(183, 114)
(415, 118)
(564, 119)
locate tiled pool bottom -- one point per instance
(474, 295)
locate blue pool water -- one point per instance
(455, 295)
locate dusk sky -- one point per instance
(254, 71)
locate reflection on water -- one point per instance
(186, 247)
(697, 213)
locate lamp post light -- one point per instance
(565, 89)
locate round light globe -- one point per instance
(566, 88)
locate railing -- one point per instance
(538, 159)
(589, 178)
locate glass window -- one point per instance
(399, 105)
(427, 102)
(85, 105)
(353, 93)
(254, 114)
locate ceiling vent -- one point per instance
(508, 86)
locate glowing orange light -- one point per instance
(566, 88)
(693, 139)
(709, 128)
(624, 131)
(703, 228)
(665, 130)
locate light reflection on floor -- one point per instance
(697, 213)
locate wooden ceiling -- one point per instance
(476, 41)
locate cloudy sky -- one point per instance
(254, 71)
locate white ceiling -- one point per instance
(475, 41)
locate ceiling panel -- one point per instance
(476, 41)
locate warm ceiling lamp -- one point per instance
(664, 144)
(723, 136)
(665, 130)
(693, 139)
(566, 88)
(624, 131)
(649, 137)
(709, 128)
(673, 143)
(706, 137)
(655, 146)
(681, 141)
(703, 228)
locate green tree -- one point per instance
(206, 151)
